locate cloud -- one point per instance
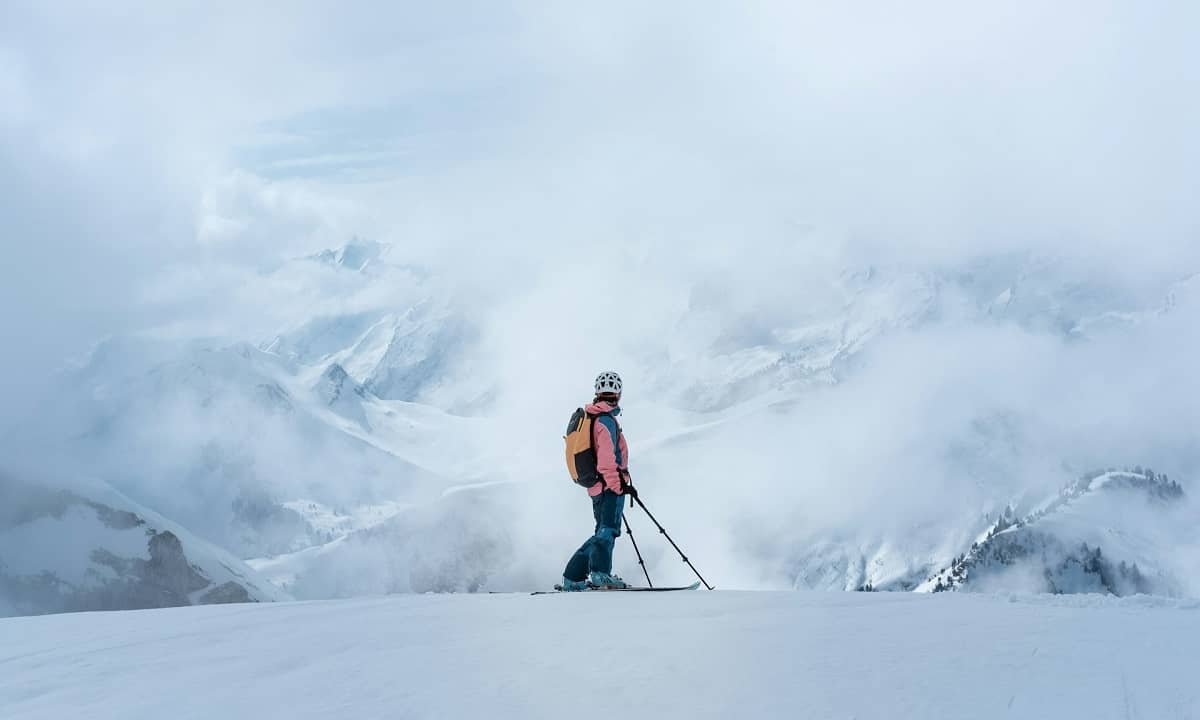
(662, 189)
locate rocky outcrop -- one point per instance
(225, 594)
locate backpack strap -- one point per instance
(616, 435)
(593, 417)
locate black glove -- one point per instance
(627, 485)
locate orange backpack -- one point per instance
(581, 449)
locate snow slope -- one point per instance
(222, 440)
(90, 548)
(464, 542)
(694, 655)
(1113, 531)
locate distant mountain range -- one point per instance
(353, 449)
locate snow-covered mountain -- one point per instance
(245, 431)
(390, 327)
(223, 434)
(1112, 532)
(463, 542)
(754, 351)
(1109, 532)
(92, 549)
(356, 445)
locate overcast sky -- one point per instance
(143, 144)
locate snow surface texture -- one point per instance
(678, 655)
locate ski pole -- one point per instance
(662, 530)
(635, 549)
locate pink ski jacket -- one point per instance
(612, 454)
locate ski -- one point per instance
(693, 586)
(558, 589)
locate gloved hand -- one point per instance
(627, 487)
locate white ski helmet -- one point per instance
(608, 383)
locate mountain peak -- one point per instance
(355, 255)
(335, 383)
(336, 374)
(343, 394)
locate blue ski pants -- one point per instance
(595, 555)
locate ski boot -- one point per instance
(573, 585)
(606, 581)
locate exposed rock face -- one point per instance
(169, 568)
(229, 592)
(116, 519)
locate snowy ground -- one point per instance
(693, 655)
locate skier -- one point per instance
(607, 485)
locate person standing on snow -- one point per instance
(598, 459)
